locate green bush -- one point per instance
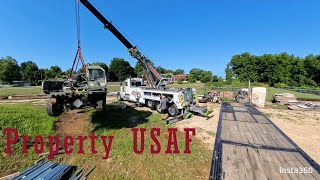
(180, 81)
(280, 85)
(258, 84)
(236, 83)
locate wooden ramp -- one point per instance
(249, 146)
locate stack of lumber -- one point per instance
(304, 106)
(285, 98)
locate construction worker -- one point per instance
(163, 107)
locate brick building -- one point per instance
(184, 77)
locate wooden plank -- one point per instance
(268, 136)
(263, 134)
(229, 170)
(253, 135)
(291, 161)
(236, 104)
(276, 163)
(244, 116)
(261, 119)
(256, 166)
(227, 116)
(257, 133)
(298, 164)
(244, 138)
(305, 163)
(285, 164)
(242, 169)
(246, 162)
(225, 130)
(240, 109)
(224, 161)
(274, 136)
(235, 164)
(247, 132)
(269, 165)
(284, 142)
(235, 133)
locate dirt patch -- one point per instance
(206, 127)
(302, 127)
(32, 101)
(73, 123)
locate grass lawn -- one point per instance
(113, 88)
(28, 120)
(272, 91)
(10, 91)
(123, 163)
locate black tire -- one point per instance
(53, 109)
(173, 110)
(151, 104)
(104, 106)
(157, 104)
(119, 97)
(101, 105)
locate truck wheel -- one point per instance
(101, 105)
(157, 104)
(150, 104)
(119, 97)
(173, 110)
(53, 109)
(104, 105)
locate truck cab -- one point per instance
(130, 89)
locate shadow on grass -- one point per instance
(116, 118)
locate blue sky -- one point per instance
(173, 33)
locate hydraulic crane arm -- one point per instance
(153, 77)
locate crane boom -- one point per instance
(153, 77)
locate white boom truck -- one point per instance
(180, 101)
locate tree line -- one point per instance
(279, 70)
(118, 70)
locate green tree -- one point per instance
(229, 74)
(191, 78)
(196, 74)
(312, 67)
(275, 69)
(30, 72)
(206, 76)
(178, 71)
(53, 72)
(120, 69)
(101, 64)
(215, 78)
(9, 70)
(160, 70)
(139, 70)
